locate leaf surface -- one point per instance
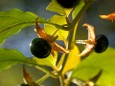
(62, 34)
(10, 57)
(90, 66)
(55, 7)
(12, 21)
(72, 61)
(49, 61)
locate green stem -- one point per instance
(73, 29)
(43, 78)
(42, 68)
(61, 80)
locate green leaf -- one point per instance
(49, 61)
(78, 8)
(55, 7)
(12, 21)
(9, 58)
(60, 20)
(86, 72)
(92, 64)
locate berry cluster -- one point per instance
(41, 47)
(45, 45)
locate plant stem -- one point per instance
(61, 80)
(42, 68)
(73, 29)
(43, 78)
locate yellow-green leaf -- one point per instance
(10, 57)
(12, 21)
(73, 60)
(49, 61)
(51, 29)
(91, 65)
(55, 7)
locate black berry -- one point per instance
(40, 48)
(101, 43)
(68, 3)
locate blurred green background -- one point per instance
(21, 41)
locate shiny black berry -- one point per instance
(101, 43)
(40, 48)
(68, 3)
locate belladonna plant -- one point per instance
(65, 63)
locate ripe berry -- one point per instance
(101, 43)
(68, 3)
(40, 48)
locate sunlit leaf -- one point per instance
(49, 61)
(62, 34)
(12, 21)
(72, 61)
(55, 7)
(10, 57)
(92, 64)
(86, 72)
(78, 8)
(96, 77)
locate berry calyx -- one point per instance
(40, 48)
(68, 3)
(101, 43)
